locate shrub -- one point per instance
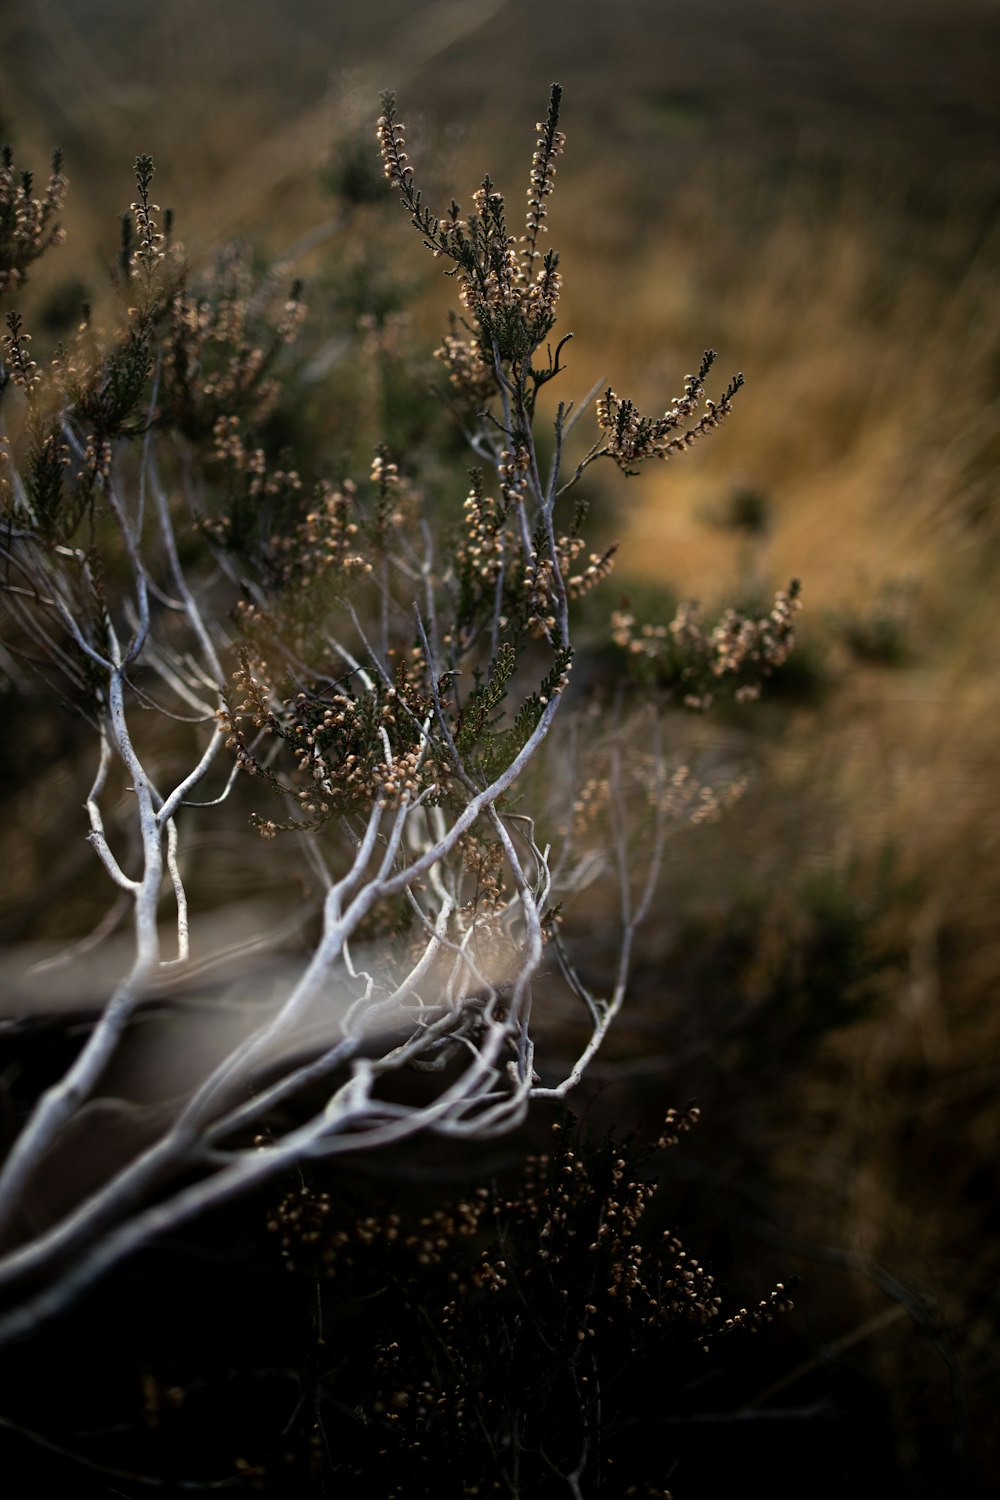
(389, 667)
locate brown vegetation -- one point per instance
(813, 189)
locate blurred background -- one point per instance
(811, 187)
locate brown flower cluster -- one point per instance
(763, 643)
(150, 241)
(540, 595)
(630, 437)
(512, 470)
(353, 749)
(753, 1319)
(509, 299)
(550, 144)
(480, 550)
(680, 797)
(232, 448)
(224, 340)
(502, 1325)
(27, 229)
(469, 372)
(598, 566)
(306, 1235)
(395, 497)
(254, 710)
(483, 859)
(328, 535)
(740, 650)
(23, 369)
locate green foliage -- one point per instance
(498, 750)
(485, 701)
(108, 402)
